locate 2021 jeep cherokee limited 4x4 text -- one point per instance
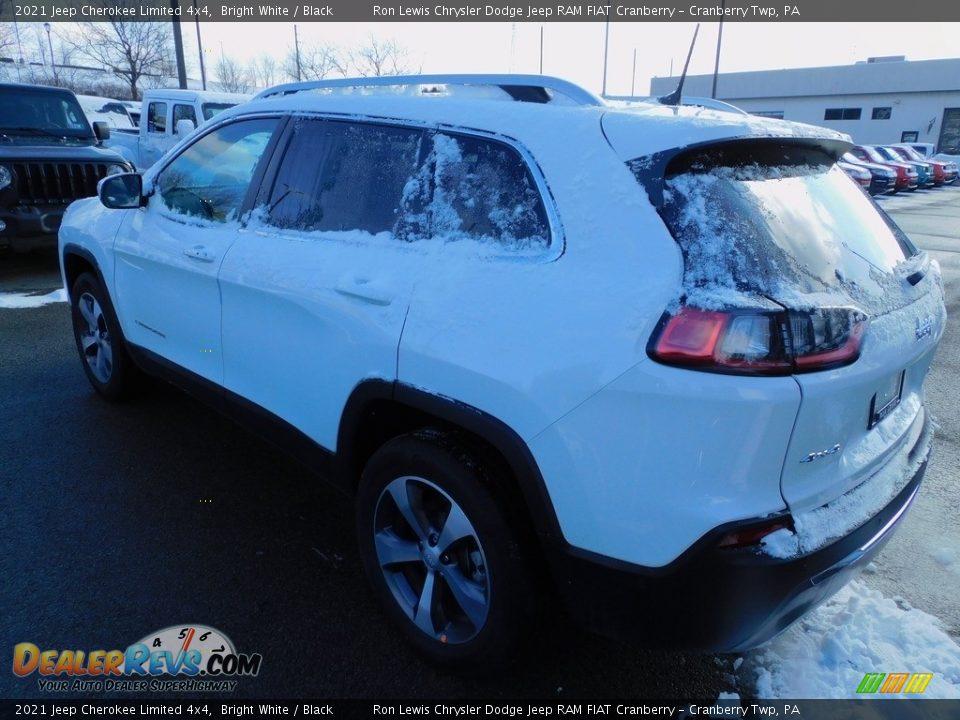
(645, 359)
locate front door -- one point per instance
(169, 252)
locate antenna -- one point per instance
(674, 97)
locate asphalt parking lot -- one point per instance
(120, 520)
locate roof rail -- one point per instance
(526, 88)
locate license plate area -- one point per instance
(886, 399)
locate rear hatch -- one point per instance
(858, 310)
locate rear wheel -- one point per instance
(440, 552)
(99, 340)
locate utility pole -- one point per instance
(203, 70)
(296, 45)
(16, 30)
(606, 47)
(716, 65)
(178, 45)
(633, 76)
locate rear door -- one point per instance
(783, 223)
(316, 288)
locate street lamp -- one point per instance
(53, 63)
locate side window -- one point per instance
(482, 190)
(157, 117)
(183, 112)
(210, 178)
(344, 176)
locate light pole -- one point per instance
(296, 46)
(541, 49)
(53, 63)
(633, 77)
(203, 70)
(606, 47)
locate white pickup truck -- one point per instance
(168, 116)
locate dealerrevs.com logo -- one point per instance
(188, 658)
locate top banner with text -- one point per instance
(479, 11)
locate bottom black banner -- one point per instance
(885, 709)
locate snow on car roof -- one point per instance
(633, 132)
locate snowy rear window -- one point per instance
(343, 176)
(772, 220)
(476, 189)
(411, 185)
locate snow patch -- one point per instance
(827, 653)
(19, 301)
(815, 528)
(945, 556)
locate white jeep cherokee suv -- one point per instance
(664, 362)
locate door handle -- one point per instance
(199, 252)
(364, 289)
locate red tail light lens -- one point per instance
(759, 342)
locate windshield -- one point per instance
(909, 153)
(874, 155)
(775, 222)
(888, 154)
(28, 111)
(210, 109)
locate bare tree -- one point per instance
(263, 71)
(8, 41)
(231, 75)
(131, 50)
(380, 57)
(316, 62)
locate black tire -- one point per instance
(435, 459)
(114, 380)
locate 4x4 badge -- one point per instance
(821, 454)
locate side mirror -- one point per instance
(184, 127)
(101, 130)
(121, 192)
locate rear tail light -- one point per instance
(759, 342)
(743, 537)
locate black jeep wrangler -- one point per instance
(49, 157)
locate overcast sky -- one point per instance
(575, 50)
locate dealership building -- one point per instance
(882, 100)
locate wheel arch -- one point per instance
(77, 260)
(378, 411)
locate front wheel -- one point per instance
(440, 552)
(99, 340)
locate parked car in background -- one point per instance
(924, 170)
(674, 379)
(883, 179)
(906, 172)
(928, 150)
(103, 109)
(49, 157)
(857, 173)
(169, 116)
(945, 172)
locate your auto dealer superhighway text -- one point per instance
(457, 12)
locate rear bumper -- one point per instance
(720, 600)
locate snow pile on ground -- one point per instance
(859, 631)
(16, 301)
